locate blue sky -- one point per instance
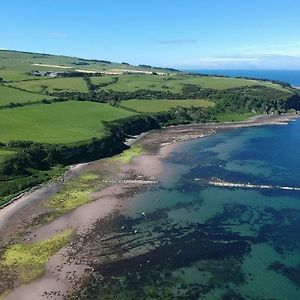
(261, 34)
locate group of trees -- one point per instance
(242, 99)
(258, 99)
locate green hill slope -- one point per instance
(65, 122)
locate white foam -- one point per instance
(218, 182)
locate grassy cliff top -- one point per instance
(15, 64)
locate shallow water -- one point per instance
(185, 239)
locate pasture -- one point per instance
(9, 95)
(233, 116)
(53, 85)
(16, 65)
(5, 154)
(173, 83)
(10, 75)
(65, 122)
(164, 105)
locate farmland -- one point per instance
(233, 117)
(9, 95)
(164, 105)
(65, 122)
(173, 83)
(11, 75)
(5, 154)
(131, 83)
(52, 85)
(16, 66)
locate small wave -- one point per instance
(220, 183)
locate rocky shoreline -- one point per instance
(71, 266)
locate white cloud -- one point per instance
(263, 60)
(227, 59)
(276, 55)
(285, 49)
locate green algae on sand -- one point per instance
(74, 194)
(29, 260)
(126, 156)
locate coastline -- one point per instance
(123, 181)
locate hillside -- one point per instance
(64, 122)
(16, 65)
(57, 110)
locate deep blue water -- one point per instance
(290, 76)
(187, 239)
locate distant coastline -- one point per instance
(290, 76)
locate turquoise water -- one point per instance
(290, 76)
(186, 239)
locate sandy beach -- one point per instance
(66, 270)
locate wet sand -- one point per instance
(67, 269)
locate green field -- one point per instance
(16, 65)
(163, 105)
(5, 154)
(53, 85)
(105, 79)
(65, 122)
(10, 75)
(221, 83)
(174, 83)
(233, 117)
(8, 95)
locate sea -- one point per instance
(187, 238)
(290, 76)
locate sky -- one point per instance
(185, 34)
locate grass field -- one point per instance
(221, 83)
(5, 154)
(106, 79)
(233, 117)
(163, 105)
(10, 75)
(174, 83)
(65, 122)
(15, 65)
(8, 95)
(53, 85)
